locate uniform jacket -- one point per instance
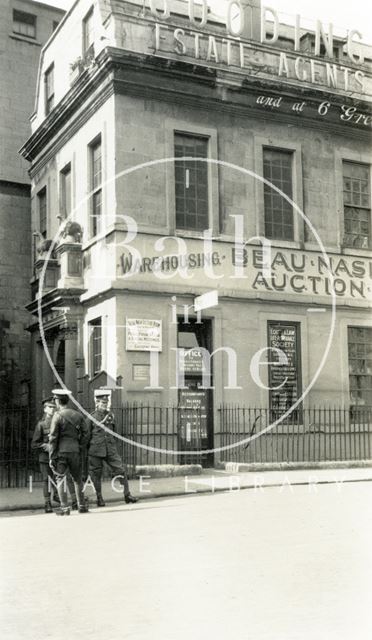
(67, 433)
(100, 443)
(41, 437)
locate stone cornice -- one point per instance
(53, 298)
(174, 81)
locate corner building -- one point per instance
(274, 110)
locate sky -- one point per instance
(344, 14)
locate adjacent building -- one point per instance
(274, 214)
(25, 27)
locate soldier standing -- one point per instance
(40, 443)
(66, 439)
(101, 447)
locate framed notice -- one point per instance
(284, 373)
(141, 372)
(193, 415)
(143, 335)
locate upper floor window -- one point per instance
(49, 89)
(65, 186)
(24, 23)
(191, 182)
(42, 211)
(88, 32)
(357, 205)
(360, 365)
(95, 151)
(95, 338)
(277, 169)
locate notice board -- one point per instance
(284, 379)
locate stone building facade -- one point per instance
(25, 27)
(280, 121)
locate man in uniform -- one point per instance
(66, 439)
(40, 443)
(101, 447)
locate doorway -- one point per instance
(195, 403)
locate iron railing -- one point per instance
(306, 435)
(245, 435)
(16, 461)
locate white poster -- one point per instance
(143, 334)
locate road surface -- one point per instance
(279, 564)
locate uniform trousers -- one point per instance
(69, 463)
(117, 466)
(49, 482)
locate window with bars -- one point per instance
(42, 210)
(96, 185)
(49, 89)
(360, 365)
(95, 339)
(357, 205)
(24, 23)
(88, 32)
(191, 182)
(277, 169)
(65, 185)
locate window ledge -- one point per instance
(19, 36)
(197, 235)
(285, 244)
(350, 251)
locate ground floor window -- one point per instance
(95, 339)
(360, 365)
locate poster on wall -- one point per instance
(143, 334)
(284, 378)
(193, 416)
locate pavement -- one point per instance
(208, 481)
(272, 564)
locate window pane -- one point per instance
(49, 89)
(95, 151)
(88, 31)
(96, 165)
(191, 182)
(277, 166)
(360, 366)
(24, 23)
(96, 212)
(42, 206)
(66, 191)
(95, 333)
(357, 205)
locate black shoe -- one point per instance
(48, 507)
(100, 502)
(129, 499)
(83, 509)
(74, 506)
(62, 511)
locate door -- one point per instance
(195, 403)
